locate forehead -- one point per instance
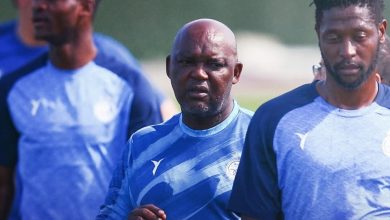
(197, 41)
(340, 18)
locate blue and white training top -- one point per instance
(187, 173)
(69, 128)
(306, 159)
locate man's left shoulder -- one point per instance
(383, 97)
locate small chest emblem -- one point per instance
(231, 168)
(105, 111)
(386, 145)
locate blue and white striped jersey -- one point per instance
(187, 173)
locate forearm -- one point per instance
(6, 191)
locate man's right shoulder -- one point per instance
(9, 80)
(275, 108)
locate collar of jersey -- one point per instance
(210, 131)
(345, 112)
(52, 68)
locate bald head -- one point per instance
(206, 30)
(202, 68)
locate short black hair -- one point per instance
(376, 7)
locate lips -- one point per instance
(39, 20)
(198, 92)
(351, 68)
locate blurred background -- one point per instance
(276, 39)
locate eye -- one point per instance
(332, 38)
(360, 36)
(216, 64)
(185, 61)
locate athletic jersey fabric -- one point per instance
(306, 159)
(187, 173)
(70, 127)
(14, 53)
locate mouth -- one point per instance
(348, 69)
(198, 92)
(39, 21)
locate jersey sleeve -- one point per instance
(146, 106)
(8, 133)
(255, 190)
(117, 204)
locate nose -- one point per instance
(39, 4)
(199, 72)
(347, 49)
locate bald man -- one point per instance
(184, 168)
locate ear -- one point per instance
(382, 30)
(88, 7)
(237, 72)
(168, 65)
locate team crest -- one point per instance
(105, 111)
(231, 168)
(386, 145)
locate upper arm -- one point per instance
(255, 190)
(8, 133)
(117, 203)
(146, 106)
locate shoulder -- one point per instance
(273, 110)
(383, 97)
(111, 47)
(9, 80)
(131, 74)
(7, 27)
(148, 135)
(153, 131)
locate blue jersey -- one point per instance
(306, 159)
(70, 127)
(13, 52)
(187, 173)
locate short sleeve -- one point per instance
(255, 190)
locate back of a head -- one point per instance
(376, 7)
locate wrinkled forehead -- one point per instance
(200, 40)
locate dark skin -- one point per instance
(67, 26)
(202, 68)
(6, 191)
(349, 39)
(349, 36)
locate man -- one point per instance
(184, 168)
(322, 151)
(68, 115)
(18, 47)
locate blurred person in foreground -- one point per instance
(322, 151)
(184, 168)
(18, 46)
(66, 115)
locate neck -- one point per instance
(74, 53)
(201, 122)
(349, 99)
